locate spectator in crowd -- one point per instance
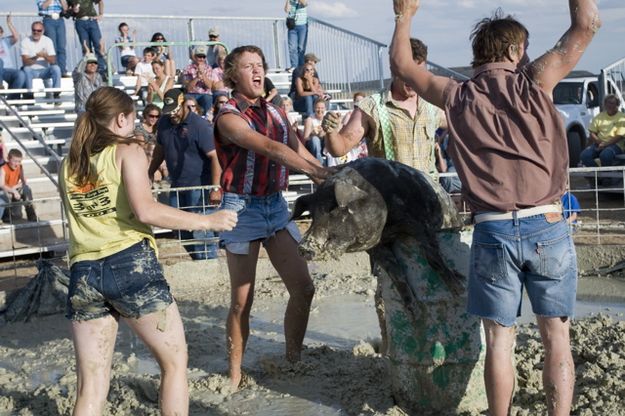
(451, 184)
(159, 84)
(509, 146)
(144, 73)
(39, 58)
(86, 80)
(54, 26)
(271, 93)
(114, 270)
(218, 76)
(146, 132)
(213, 52)
(3, 151)
(308, 89)
(313, 133)
(14, 189)
(219, 99)
(88, 29)
(360, 150)
(287, 107)
(163, 55)
(607, 134)
(128, 56)
(185, 141)
(570, 207)
(199, 81)
(309, 59)
(397, 123)
(297, 25)
(256, 156)
(9, 70)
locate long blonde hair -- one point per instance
(92, 134)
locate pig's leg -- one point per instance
(242, 269)
(293, 270)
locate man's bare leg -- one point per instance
(499, 376)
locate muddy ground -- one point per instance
(340, 374)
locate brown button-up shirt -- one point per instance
(507, 142)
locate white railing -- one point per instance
(615, 72)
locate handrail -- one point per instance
(111, 49)
(41, 140)
(347, 32)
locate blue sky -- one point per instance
(442, 24)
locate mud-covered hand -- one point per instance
(406, 8)
(222, 220)
(331, 122)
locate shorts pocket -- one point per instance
(489, 261)
(555, 257)
(234, 202)
(134, 272)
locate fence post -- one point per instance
(190, 30)
(276, 44)
(380, 67)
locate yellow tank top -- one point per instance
(100, 219)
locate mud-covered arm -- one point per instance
(557, 62)
(426, 84)
(235, 130)
(339, 142)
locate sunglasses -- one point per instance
(159, 38)
(37, 30)
(154, 115)
(200, 56)
(190, 106)
(213, 36)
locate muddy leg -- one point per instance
(499, 373)
(94, 342)
(293, 270)
(242, 269)
(559, 369)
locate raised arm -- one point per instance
(15, 35)
(338, 143)
(426, 84)
(557, 62)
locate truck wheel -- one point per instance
(574, 140)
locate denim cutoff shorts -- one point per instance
(129, 283)
(260, 217)
(530, 253)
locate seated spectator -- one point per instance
(199, 81)
(128, 56)
(313, 133)
(309, 58)
(39, 58)
(307, 91)
(218, 76)
(191, 104)
(271, 93)
(86, 80)
(3, 151)
(144, 73)
(570, 207)
(163, 55)
(213, 52)
(146, 131)
(9, 70)
(219, 99)
(14, 189)
(444, 164)
(159, 84)
(607, 131)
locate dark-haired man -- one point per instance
(397, 123)
(509, 147)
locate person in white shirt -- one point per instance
(9, 71)
(39, 58)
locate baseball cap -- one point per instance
(311, 57)
(172, 101)
(200, 50)
(213, 31)
(90, 57)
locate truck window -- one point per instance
(568, 93)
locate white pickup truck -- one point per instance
(579, 98)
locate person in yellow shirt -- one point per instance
(607, 134)
(114, 271)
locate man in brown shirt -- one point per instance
(509, 147)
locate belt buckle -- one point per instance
(55, 16)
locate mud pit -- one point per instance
(340, 372)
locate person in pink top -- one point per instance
(199, 80)
(509, 147)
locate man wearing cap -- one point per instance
(198, 79)
(185, 141)
(39, 58)
(214, 51)
(50, 11)
(86, 80)
(86, 23)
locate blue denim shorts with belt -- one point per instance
(535, 253)
(260, 217)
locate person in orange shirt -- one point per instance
(15, 189)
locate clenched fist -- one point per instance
(331, 122)
(405, 7)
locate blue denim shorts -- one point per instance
(260, 217)
(530, 253)
(129, 283)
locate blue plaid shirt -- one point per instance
(54, 7)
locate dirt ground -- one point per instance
(340, 373)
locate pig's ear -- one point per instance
(346, 193)
(302, 204)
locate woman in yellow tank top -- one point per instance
(114, 270)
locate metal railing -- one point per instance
(616, 73)
(347, 57)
